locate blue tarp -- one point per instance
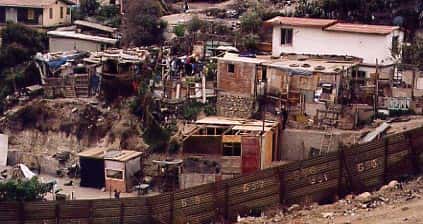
(57, 63)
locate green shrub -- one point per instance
(23, 190)
(179, 30)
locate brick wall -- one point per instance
(240, 81)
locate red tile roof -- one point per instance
(295, 21)
(362, 28)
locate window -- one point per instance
(68, 10)
(231, 68)
(31, 14)
(114, 174)
(62, 12)
(286, 36)
(232, 149)
(359, 77)
(51, 13)
(264, 74)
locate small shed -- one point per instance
(120, 168)
(91, 164)
(112, 169)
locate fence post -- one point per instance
(282, 187)
(226, 186)
(21, 212)
(57, 213)
(414, 156)
(351, 185)
(172, 201)
(91, 212)
(385, 160)
(122, 212)
(341, 170)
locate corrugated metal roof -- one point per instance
(296, 21)
(95, 26)
(123, 155)
(97, 153)
(73, 35)
(32, 3)
(362, 28)
(117, 155)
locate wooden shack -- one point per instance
(112, 169)
(120, 167)
(91, 164)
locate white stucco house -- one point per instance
(375, 44)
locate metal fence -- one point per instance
(322, 179)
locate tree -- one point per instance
(23, 190)
(88, 7)
(251, 22)
(413, 53)
(179, 30)
(28, 38)
(143, 23)
(195, 24)
(110, 15)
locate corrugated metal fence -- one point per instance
(356, 169)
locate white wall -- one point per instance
(66, 44)
(316, 41)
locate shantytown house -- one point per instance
(36, 13)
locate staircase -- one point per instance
(69, 92)
(82, 85)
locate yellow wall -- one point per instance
(56, 20)
(267, 150)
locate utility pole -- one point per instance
(376, 95)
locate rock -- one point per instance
(385, 188)
(404, 208)
(364, 197)
(393, 184)
(328, 215)
(294, 207)
(349, 197)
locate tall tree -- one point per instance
(143, 24)
(88, 7)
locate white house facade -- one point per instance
(375, 44)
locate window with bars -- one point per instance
(286, 36)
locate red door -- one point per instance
(250, 146)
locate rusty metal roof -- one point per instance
(362, 28)
(296, 21)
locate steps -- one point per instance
(69, 92)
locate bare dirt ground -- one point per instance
(393, 203)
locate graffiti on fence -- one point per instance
(368, 165)
(253, 186)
